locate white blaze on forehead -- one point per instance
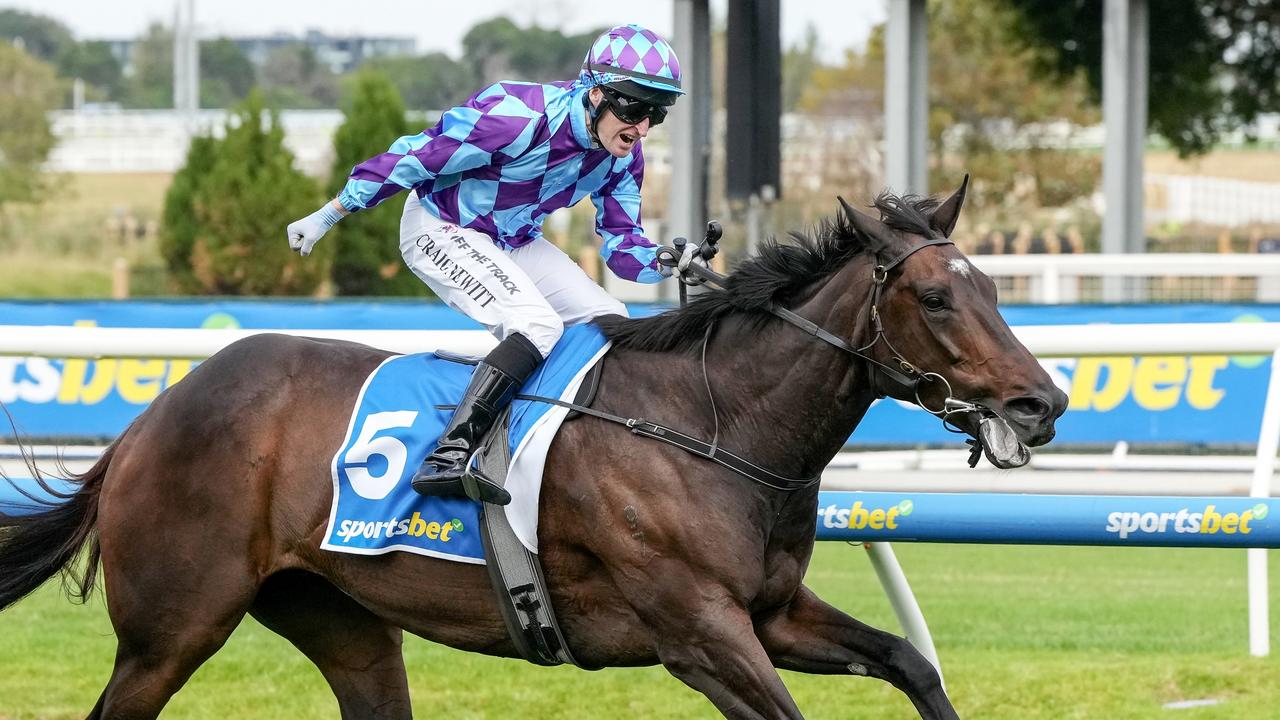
(959, 266)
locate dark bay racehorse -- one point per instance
(214, 502)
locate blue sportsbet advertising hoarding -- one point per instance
(1198, 399)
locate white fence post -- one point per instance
(903, 601)
(1268, 438)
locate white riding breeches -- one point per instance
(534, 290)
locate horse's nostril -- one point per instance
(1028, 408)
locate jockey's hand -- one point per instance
(305, 233)
(692, 256)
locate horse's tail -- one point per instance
(34, 547)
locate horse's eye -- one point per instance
(934, 302)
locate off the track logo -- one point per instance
(1204, 522)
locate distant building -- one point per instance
(111, 140)
(340, 53)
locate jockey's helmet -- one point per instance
(634, 62)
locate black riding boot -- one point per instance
(495, 382)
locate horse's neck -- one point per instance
(793, 398)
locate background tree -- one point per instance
(798, 65)
(151, 85)
(990, 113)
(93, 62)
(427, 82)
(179, 223)
(1000, 120)
(241, 207)
(226, 73)
(1214, 64)
(854, 89)
(29, 89)
(498, 49)
(367, 260)
(42, 37)
(294, 77)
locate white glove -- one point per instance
(691, 256)
(305, 233)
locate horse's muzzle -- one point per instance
(1032, 416)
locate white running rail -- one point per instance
(1054, 279)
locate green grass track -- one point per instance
(1024, 633)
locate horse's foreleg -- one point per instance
(715, 651)
(810, 636)
(358, 654)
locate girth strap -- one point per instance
(701, 448)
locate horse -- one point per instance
(214, 501)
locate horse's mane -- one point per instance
(775, 275)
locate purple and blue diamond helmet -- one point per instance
(636, 62)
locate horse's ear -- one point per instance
(944, 218)
(879, 234)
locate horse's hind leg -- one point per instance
(810, 636)
(169, 617)
(181, 559)
(358, 654)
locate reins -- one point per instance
(703, 449)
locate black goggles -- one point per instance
(632, 111)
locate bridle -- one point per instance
(905, 375)
(901, 374)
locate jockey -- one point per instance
(481, 183)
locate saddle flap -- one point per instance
(587, 390)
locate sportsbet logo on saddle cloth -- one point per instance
(398, 416)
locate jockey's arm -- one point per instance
(454, 145)
(626, 250)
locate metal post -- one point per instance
(1263, 470)
(906, 101)
(1124, 109)
(186, 63)
(690, 125)
(179, 59)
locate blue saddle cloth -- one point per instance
(395, 423)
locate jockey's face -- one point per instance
(616, 136)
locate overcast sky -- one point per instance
(437, 25)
